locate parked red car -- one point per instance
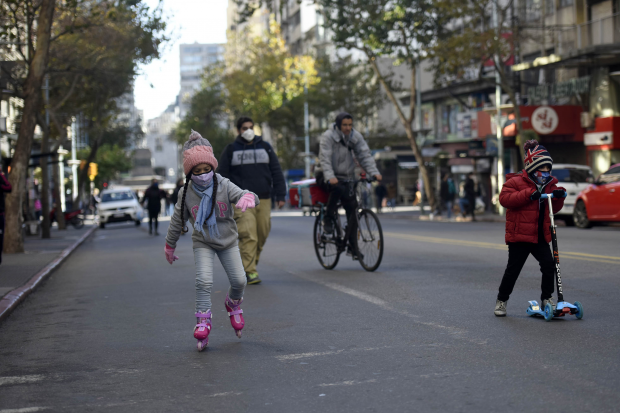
(600, 201)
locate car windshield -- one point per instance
(613, 175)
(116, 196)
(573, 175)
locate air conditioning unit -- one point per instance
(586, 120)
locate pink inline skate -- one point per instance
(234, 312)
(202, 329)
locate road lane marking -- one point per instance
(607, 259)
(453, 331)
(227, 393)
(24, 410)
(348, 383)
(31, 378)
(289, 357)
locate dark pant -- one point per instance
(153, 218)
(472, 206)
(344, 193)
(1, 234)
(517, 255)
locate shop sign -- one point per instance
(599, 138)
(467, 125)
(560, 89)
(545, 120)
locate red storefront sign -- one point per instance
(551, 121)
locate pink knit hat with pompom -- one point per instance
(197, 150)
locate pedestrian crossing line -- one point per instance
(447, 241)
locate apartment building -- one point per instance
(193, 60)
(164, 151)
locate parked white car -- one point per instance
(119, 204)
(575, 178)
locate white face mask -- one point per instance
(248, 135)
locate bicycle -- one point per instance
(369, 240)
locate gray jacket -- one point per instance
(336, 159)
(227, 195)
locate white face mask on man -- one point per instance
(248, 135)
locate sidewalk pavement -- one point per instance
(17, 269)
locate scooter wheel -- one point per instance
(579, 313)
(548, 312)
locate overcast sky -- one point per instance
(202, 21)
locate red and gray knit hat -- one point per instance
(197, 150)
(536, 156)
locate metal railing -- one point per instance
(593, 33)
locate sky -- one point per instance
(189, 21)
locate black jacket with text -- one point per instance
(254, 167)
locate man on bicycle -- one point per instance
(337, 170)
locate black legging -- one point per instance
(153, 218)
(517, 255)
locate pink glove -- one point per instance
(170, 254)
(246, 201)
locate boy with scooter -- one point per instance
(528, 222)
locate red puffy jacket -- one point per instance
(522, 214)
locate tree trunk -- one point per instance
(60, 216)
(428, 188)
(13, 241)
(45, 185)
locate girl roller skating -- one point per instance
(207, 199)
(527, 223)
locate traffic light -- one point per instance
(92, 171)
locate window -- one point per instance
(116, 196)
(613, 175)
(566, 3)
(159, 144)
(549, 7)
(574, 175)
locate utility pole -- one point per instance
(61, 165)
(74, 162)
(498, 118)
(306, 129)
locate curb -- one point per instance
(13, 298)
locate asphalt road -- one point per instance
(111, 331)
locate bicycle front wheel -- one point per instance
(369, 240)
(325, 245)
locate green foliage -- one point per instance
(111, 160)
(262, 75)
(207, 113)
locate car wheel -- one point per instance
(138, 222)
(101, 225)
(580, 215)
(569, 221)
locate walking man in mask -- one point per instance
(252, 164)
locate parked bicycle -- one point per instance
(369, 240)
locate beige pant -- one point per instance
(253, 225)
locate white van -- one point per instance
(575, 178)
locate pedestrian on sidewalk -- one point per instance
(380, 194)
(528, 223)
(207, 200)
(252, 164)
(153, 196)
(470, 195)
(5, 188)
(447, 192)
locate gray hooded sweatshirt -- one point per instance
(227, 195)
(335, 155)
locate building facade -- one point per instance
(193, 60)
(164, 150)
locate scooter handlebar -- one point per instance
(545, 196)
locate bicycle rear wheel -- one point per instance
(325, 245)
(369, 240)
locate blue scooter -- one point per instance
(563, 308)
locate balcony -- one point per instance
(605, 31)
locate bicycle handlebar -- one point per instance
(545, 196)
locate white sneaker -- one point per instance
(500, 308)
(550, 301)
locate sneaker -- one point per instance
(500, 308)
(353, 255)
(550, 301)
(328, 225)
(252, 278)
